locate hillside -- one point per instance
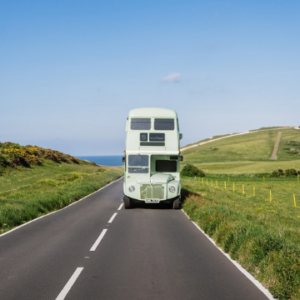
(13, 156)
(251, 214)
(248, 152)
(35, 181)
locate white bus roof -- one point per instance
(152, 112)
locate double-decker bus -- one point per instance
(152, 157)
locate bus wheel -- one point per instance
(176, 203)
(127, 203)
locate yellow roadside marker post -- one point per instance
(254, 191)
(225, 184)
(270, 196)
(264, 178)
(295, 204)
(228, 179)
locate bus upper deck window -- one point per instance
(140, 124)
(164, 124)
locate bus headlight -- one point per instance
(172, 189)
(131, 189)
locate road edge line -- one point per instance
(53, 212)
(264, 290)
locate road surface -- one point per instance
(95, 249)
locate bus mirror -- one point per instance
(180, 136)
(181, 158)
(123, 158)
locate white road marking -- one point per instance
(69, 284)
(246, 273)
(112, 218)
(120, 207)
(98, 240)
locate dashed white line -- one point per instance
(69, 284)
(120, 207)
(112, 218)
(98, 240)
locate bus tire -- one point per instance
(176, 203)
(127, 202)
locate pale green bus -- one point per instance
(152, 157)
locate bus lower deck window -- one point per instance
(166, 166)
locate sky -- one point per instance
(70, 71)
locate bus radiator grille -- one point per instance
(152, 192)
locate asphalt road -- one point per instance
(143, 253)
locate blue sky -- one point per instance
(71, 70)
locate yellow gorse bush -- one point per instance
(17, 151)
(15, 155)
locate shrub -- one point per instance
(13, 155)
(294, 143)
(3, 161)
(290, 172)
(281, 172)
(191, 171)
(275, 174)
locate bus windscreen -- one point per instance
(138, 160)
(138, 163)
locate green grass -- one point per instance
(262, 235)
(27, 193)
(248, 153)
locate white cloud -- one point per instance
(173, 78)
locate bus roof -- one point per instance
(152, 112)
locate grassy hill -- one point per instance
(253, 218)
(246, 153)
(13, 155)
(35, 181)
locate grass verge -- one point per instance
(29, 194)
(262, 236)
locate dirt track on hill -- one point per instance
(273, 157)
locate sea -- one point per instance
(105, 160)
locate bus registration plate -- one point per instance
(152, 200)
